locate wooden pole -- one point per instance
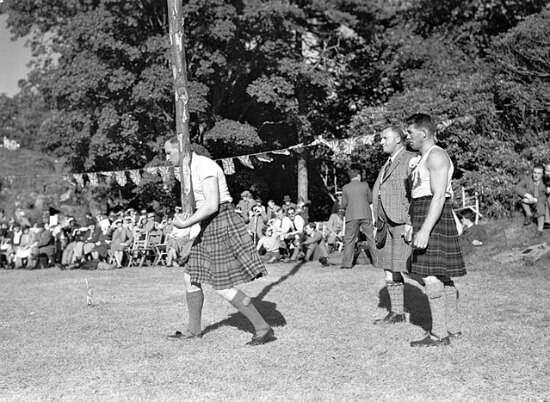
(179, 72)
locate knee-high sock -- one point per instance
(434, 291)
(395, 290)
(451, 309)
(249, 311)
(195, 301)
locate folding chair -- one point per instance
(138, 251)
(469, 200)
(158, 248)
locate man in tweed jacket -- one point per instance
(391, 198)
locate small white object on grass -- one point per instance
(89, 293)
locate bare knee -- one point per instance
(227, 294)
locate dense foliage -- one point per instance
(270, 74)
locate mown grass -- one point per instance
(55, 347)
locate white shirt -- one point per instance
(201, 168)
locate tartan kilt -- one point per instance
(223, 254)
(443, 256)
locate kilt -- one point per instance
(223, 254)
(395, 253)
(443, 256)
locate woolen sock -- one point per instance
(395, 290)
(451, 309)
(249, 311)
(435, 294)
(195, 301)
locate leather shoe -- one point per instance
(431, 340)
(268, 336)
(391, 318)
(454, 335)
(180, 336)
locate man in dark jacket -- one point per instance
(356, 199)
(532, 191)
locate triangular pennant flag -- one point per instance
(93, 179)
(348, 145)
(285, 152)
(135, 177)
(120, 177)
(152, 170)
(228, 166)
(79, 179)
(333, 145)
(108, 176)
(245, 160)
(264, 158)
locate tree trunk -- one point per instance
(179, 71)
(302, 175)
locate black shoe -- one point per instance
(454, 335)
(538, 235)
(181, 336)
(345, 267)
(527, 221)
(268, 336)
(391, 318)
(431, 341)
(324, 262)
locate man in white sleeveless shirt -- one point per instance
(436, 256)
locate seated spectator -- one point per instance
(11, 243)
(281, 224)
(245, 205)
(257, 223)
(271, 210)
(268, 246)
(335, 229)
(44, 245)
(121, 239)
(149, 225)
(297, 223)
(287, 204)
(102, 242)
(532, 191)
(314, 245)
(472, 235)
(23, 253)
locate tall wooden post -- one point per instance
(179, 71)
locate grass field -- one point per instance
(53, 346)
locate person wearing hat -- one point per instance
(120, 240)
(223, 254)
(245, 205)
(287, 204)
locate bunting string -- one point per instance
(340, 148)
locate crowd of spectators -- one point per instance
(281, 232)
(81, 243)
(284, 233)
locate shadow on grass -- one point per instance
(266, 308)
(416, 303)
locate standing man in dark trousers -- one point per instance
(437, 256)
(223, 254)
(391, 205)
(356, 199)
